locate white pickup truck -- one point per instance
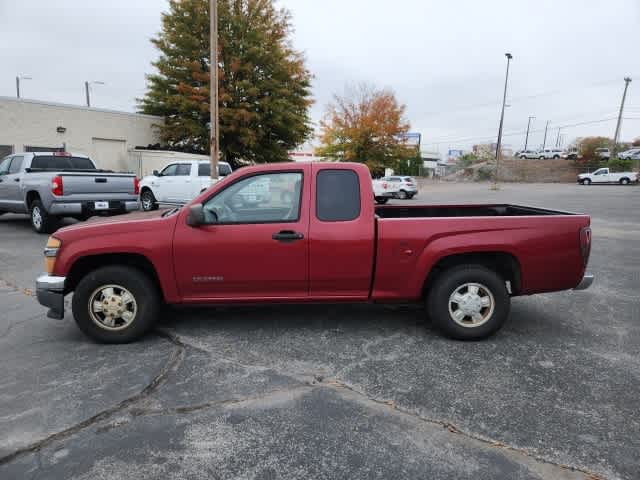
(603, 175)
(178, 183)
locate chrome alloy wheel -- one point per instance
(471, 305)
(112, 307)
(36, 217)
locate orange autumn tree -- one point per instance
(365, 125)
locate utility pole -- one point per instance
(504, 101)
(558, 138)
(213, 88)
(616, 137)
(546, 129)
(526, 141)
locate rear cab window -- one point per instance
(337, 195)
(54, 162)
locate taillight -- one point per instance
(136, 185)
(56, 186)
(585, 244)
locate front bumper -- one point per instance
(50, 293)
(585, 283)
(87, 208)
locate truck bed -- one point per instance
(449, 211)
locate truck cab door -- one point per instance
(180, 185)
(600, 176)
(341, 235)
(10, 183)
(247, 252)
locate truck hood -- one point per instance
(131, 222)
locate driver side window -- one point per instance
(170, 171)
(266, 198)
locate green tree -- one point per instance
(264, 86)
(365, 125)
(587, 148)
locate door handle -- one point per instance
(16, 179)
(287, 236)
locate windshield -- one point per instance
(51, 162)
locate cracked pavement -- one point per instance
(335, 391)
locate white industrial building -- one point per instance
(109, 137)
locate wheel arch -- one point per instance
(85, 265)
(31, 196)
(504, 264)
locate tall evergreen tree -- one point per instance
(264, 86)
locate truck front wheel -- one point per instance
(115, 304)
(41, 220)
(468, 302)
(148, 201)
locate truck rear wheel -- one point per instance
(624, 181)
(115, 304)
(468, 302)
(41, 220)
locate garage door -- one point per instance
(110, 154)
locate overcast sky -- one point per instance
(444, 59)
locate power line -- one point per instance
(511, 134)
(518, 98)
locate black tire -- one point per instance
(411, 195)
(586, 181)
(541, 158)
(556, 157)
(402, 195)
(145, 307)
(625, 181)
(41, 220)
(148, 201)
(523, 157)
(448, 282)
(382, 200)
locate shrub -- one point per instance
(485, 173)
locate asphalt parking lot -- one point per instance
(354, 392)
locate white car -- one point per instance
(383, 191)
(178, 183)
(603, 153)
(528, 154)
(603, 175)
(629, 154)
(406, 187)
(548, 153)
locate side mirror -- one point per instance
(195, 218)
(156, 173)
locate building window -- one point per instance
(5, 150)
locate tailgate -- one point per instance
(92, 183)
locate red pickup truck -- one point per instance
(327, 242)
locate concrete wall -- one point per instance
(105, 135)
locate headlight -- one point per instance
(50, 254)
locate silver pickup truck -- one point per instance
(52, 185)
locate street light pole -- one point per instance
(504, 101)
(87, 89)
(558, 138)
(18, 78)
(616, 137)
(213, 88)
(526, 141)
